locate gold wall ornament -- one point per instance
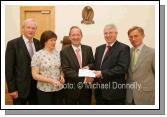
(87, 15)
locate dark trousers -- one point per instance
(31, 99)
(112, 102)
(79, 101)
(84, 99)
(50, 98)
(133, 102)
(20, 101)
(100, 100)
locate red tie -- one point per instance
(79, 57)
(108, 50)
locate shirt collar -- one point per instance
(76, 47)
(110, 44)
(26, 40)
(139, 47)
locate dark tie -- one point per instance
(106, 52)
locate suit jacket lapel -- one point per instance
(24, 48)
(140, 58)
(131, 52)
(110, 52)
(73, 55)
(102, 51)
(100, 55)
(83, 55)
(36, 45)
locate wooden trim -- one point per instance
(37, 8)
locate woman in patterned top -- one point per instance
(46, 69)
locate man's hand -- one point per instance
(14, 95)
(55, 83)
(85, 67)
(88, 80)
(98, 74)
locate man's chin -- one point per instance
(30, 36)
(76, 43)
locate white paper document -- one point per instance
(86, 73)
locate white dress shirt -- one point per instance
(27, 42)
(80, 52)
(139, 48)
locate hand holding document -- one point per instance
(86, 73)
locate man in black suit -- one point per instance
(73, 58)
(21, 86)
(111, 64)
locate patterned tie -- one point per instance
(79, 57)
(30, 50)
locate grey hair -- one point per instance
(111, 26)
(28, 20)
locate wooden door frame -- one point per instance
(37, 8)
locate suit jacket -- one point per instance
(71, 67)
(18, 67)
(113, 68)
(143, 74)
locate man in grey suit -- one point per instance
(141, 71)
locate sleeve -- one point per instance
(122, 64)
(35, 62)
(10, 61)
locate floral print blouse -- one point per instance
(49, 66)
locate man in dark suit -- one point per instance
(111, 64)
(21, 86)
(73, 58)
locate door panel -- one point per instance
(44, 16)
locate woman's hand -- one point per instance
(55, 83)
(62, 79)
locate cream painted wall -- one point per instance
(122, 16)
(12, 22)
(66, 16)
